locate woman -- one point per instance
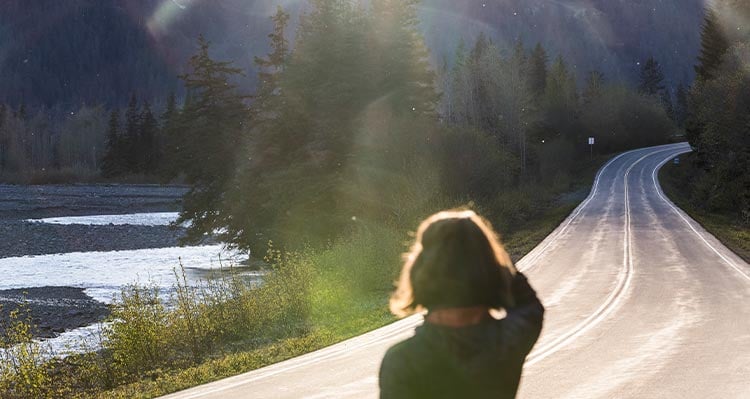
(460, 274)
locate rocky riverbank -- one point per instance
(57, 309)
(52, 310)
(20, 238)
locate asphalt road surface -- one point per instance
(641, 302)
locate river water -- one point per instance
(103, 274)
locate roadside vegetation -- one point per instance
(713, 182)
(680, 182)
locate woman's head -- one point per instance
(456, 261)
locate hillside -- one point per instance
(64, 54)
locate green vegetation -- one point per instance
(712, 184)
(718, 123)
(680, 182)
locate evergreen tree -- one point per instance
(714, 45)
(147, 149)
(652, 78)
(404, 69)
(560, 103)
(21, 112)
(210, 133)
(519, 55)
(561, 85)
(168, 140)
(594, 87)
(480, 46)
(113, 163)
(271, 67)
(537, 70)
(4, 139)
(681, 105)
(130, 139)
(666, 101)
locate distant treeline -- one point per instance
(49, 146)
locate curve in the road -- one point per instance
(621, 288)
(528, 262)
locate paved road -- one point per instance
(641, 302)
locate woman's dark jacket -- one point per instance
(479, 361)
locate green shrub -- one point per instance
(24, 370)
(137, 336)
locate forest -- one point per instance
(718, 125)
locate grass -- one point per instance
(678, 183)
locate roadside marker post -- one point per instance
(591, 148)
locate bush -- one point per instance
(24, 370)
(137, 336)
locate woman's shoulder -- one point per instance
(401, 350)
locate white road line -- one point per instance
(615, 297)
(680, 214)
(531, 261)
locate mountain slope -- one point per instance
(100, 51)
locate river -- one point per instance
(57, 215)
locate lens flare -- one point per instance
(165, 15)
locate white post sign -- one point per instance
(591, 141)
(591, 148)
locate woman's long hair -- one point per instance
(457, 260)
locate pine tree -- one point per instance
(652, 78)
(168, 140)
(561, 85)
(272, 66)
(21, 112)
(714, 45)
(537, 70)
(112, 163)
(130, 139)
(681, 105)
(210, 132)
(666, 101)
(3, 137)
(405, 70)
(519, 55)
(147, 147)
(480, 46)
(594, 87)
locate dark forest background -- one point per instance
(63, 54)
